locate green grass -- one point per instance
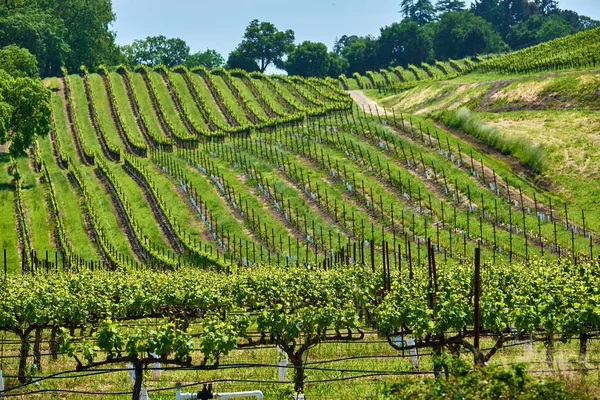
(219, 210)
(193, 113)
(206, 97)
(172, 116)
(70, 205)
(140, 209)
(79, 103)
(123, 106)
(8, 223)
(531, 155)
(249, 98)
(103, 114)
(37, 216)
(145, 105)
(266, 92)
(229, 100)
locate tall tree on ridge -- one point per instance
(264, 43)
(444, 6)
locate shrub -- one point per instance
(487, 383)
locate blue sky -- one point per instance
(220, 25)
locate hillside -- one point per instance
(162, 193)
(175, 203)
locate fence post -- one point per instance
(477, 290)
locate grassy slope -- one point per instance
(546, 108)
(68, 201)
(186, 98)
(9, 238)
(41, 227)
(206, 97)
(123, 106)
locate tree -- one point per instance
(209, 59)
(490, 10)
(444, 6)
(553, 27)
(308, 59)
(61, 32)
(536, 29)
(87, 31)
(343, 42)
(516, 11)
(405, 43)
(39, 32)
(461, 34)
(265, 44)
(337, 65)
(420, 11)
(18, 62)
(155, 50)
(406, 8)
(238, 59)
(362, 54)
(547, 7)
(24, 111)
(424, 12)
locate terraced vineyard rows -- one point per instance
(395, 79)
(159, 182)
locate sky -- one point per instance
(220, 25)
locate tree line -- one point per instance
(71, 33)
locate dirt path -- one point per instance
(365, 102)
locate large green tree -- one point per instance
(547, 6)
(444, 6)
(490, 10)
(308, 59)
(362, 54)
(536, 29)
(38, 31)
(209, 59)
(239, 59)
(24, 111)
(18, 62)
(87, 30)
(337, 65)
(155, 50)
(419, 11)
(266, 45)
(405, 43)
(461, 34)
(61, 32)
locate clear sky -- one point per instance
(220, 24)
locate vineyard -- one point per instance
(394, 80)
(195, 226)
(574, 52)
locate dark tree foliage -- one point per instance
(536, 29)
(461, 34)
(547, 7)
(266, 45)
(362, 54)
(405, 43)
(61, 32)
(155, 50)
(24, 101)
(444, 6)
(238, 59)
(419, 11)
(337, 65)
(308, 59)
(209, 59)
